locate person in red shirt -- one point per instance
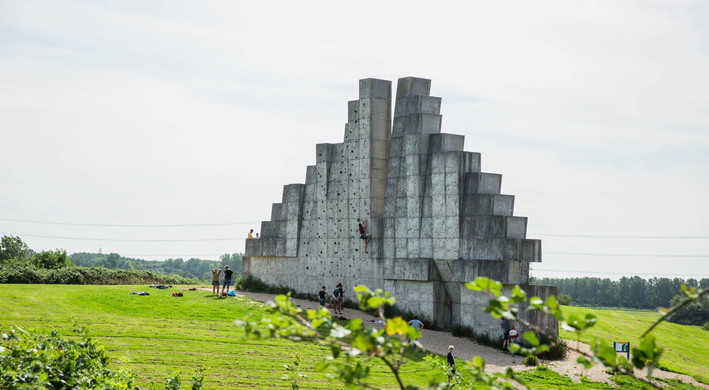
(363, 235)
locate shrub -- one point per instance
(531, 361)
(39, 361)
(29, 361)
(706, 325)
(564, 299)
(26, 273)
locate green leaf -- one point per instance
(606, 354)
(479, 362)
(514, 348)
(586, 363)
(531, 337)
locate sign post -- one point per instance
(622, 346)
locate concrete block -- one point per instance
(322, 152)
(417, 105)
(413, 206)
(408, 269)
(443, 142)
(276, 212)
(482, 183)
(427, 208)
(452, 184)
(471, 162)
(426, 248)
(374, 88)
(401, 248)
(438, 207)
(516, 227)
(352, 110)
(388, 248)
(412, 86)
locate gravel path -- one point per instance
(495, 360)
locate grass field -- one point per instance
(156, 336)
(686, 347)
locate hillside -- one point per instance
(685, 346)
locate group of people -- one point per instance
(338, 297)
(250, 235)
(225, 282)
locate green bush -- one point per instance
(564, 299)
(26, 273)
(706, 325)
(29, 361)
(531, 361)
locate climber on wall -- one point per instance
(363, 235)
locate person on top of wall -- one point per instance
(363, 235)
(251, 234)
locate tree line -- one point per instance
(20, 264)
(633, 292)
(191, 268)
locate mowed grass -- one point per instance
(686, 347)
(158, 335)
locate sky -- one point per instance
(161, 113)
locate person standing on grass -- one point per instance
(451, 364)
(215, 280)
(363, 235)
(339, 294)
(227, 279)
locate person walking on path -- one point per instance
(505, 333)
(215, 280)
(251, 234)
(363, 235)
(418, 325)
(451, 364)
(322, 294)
(227, 279)
(339, 294)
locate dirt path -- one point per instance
(496, 360)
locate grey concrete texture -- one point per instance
(436, 220)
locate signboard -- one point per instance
(622, 346)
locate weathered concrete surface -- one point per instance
(436, 220)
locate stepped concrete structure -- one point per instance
(436, 220)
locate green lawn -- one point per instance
(686, 347)
(156, 336)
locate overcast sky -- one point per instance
(158, 113)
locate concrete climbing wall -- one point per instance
(312, 238)
(437, 220)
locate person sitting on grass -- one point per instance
(363, 235)
(215, 280)
(227, 280)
